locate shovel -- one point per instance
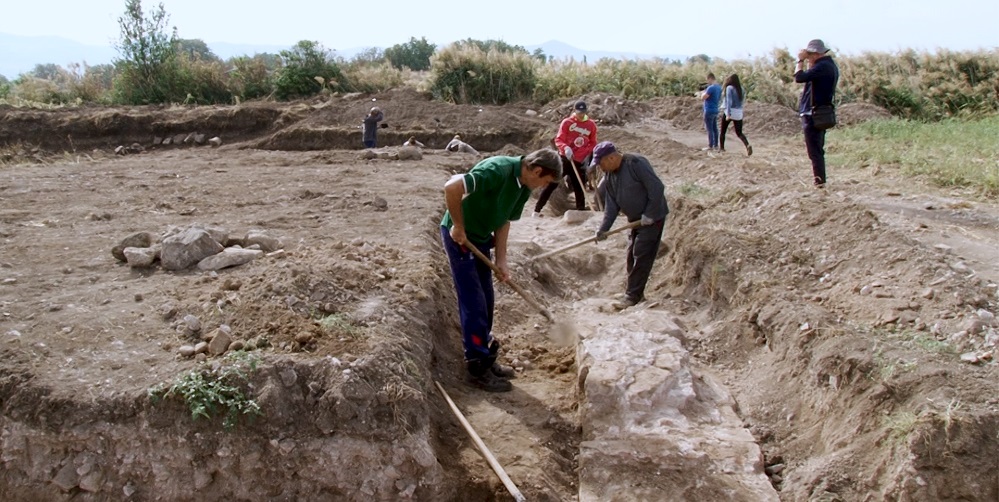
(530, 299)
(585, 241)
(563, 333)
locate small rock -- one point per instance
(960, 267)
(970, 358)
(304, 338)
(237, 345)
(215, 142)
(201, 348)
(138, 297)
(928, 293)
(974, 326)
(220, 343)
(906, 318)
(186, 350)
(774, 469)
(379, 204)
(945, 249)
(192, 325)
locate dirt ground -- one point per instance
(854, 326)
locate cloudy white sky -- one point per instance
(721, 28)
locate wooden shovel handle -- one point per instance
(585, 241)
(478, 254)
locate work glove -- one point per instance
(646, 221)
(601, 235)
(567, 152)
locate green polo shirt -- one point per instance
(493, 196)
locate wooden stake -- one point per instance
(490, 459)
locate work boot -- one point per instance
(489, 382)
(503, 371)
(626, 302)
(749, 150)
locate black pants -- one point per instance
(738, 132)
(815, 142)
(577, 189)
(643, 245)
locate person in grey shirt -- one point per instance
(371, 121)
(632, 187)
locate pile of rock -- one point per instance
(404, 153)
(207, 247)
(214, 342)
(192, 138)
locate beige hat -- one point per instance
(817, 47)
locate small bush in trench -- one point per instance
(214, 389)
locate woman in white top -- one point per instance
(733, 112)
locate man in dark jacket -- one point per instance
(820, 79)
(631, 186)
(371, 121)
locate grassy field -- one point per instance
(948, 153)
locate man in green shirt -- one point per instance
(480, 206)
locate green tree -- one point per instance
(147, 53)
(414, 54)
(308, 68)
(4, 87)
(195, 48)
(498, 45)
(700, 58)
(48, 71)
(251, 78)
(370, 55)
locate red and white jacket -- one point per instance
(578, 134)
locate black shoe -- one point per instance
(503, 371)
(749, 150)
(489, 382)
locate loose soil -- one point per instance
(854, 325)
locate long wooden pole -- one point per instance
(530, 299)
(585, 241)
(490, 459)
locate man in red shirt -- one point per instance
(577, 135)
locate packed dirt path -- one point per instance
(854, 328)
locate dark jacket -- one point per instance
(820, 80)
(371, 125)
(634, 190)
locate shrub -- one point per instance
(147, 67)
(302, 65)
(216, 389)
(464, 73)
(366, 77)
(414, 54)
(250, 78)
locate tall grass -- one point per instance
(949, 153)
(915, 85)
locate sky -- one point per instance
(719, 28)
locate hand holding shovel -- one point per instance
(562, 333)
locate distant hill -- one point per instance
(560, 50)
(20, 54)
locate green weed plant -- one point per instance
(215, 389)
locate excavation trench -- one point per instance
(791, 339)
